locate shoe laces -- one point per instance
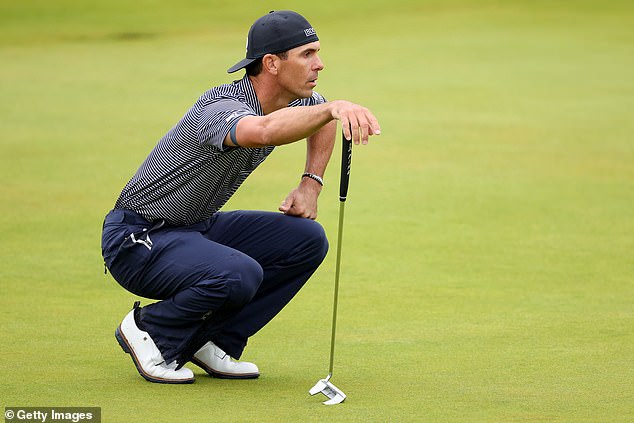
(171, 366)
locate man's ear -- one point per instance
(269, 63)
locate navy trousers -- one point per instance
(219, 280)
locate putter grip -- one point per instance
(346, 160)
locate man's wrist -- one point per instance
(314, 177)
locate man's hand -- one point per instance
(302, 201)
(357, 122)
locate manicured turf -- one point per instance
(488, 263)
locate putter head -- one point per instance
(334, 394)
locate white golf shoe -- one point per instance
(219, 364)
(146, 356)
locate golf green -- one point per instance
(488, 252)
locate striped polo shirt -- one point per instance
(190, 174)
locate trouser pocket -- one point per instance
(127, 249)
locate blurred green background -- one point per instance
(488, 256)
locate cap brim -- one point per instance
(241, 64)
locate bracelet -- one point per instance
(314, 177)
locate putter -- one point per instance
(334, 394)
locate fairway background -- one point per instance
(488, 253)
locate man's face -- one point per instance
(298, 73)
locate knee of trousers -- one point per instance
(244, 276)
(315, 244)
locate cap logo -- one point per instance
(309, 32)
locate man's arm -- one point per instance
(302, 201)
(318, 123)
(292, 124)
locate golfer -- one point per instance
(220, 276)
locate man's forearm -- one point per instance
(283, 126)
(319, 149)
(291, 124)
(295, 123)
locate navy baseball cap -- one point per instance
(276, 32)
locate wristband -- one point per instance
(314, 177)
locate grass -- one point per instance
(487, 265)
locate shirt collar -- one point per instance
(252, 99)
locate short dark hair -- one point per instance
(254, 68)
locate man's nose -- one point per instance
(319, 65)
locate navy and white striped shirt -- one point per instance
(190, 174)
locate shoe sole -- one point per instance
(123, 342)
(221, 375)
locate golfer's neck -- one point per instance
(269, 94)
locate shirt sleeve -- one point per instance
(217, 118)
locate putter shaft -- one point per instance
(342, 207)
